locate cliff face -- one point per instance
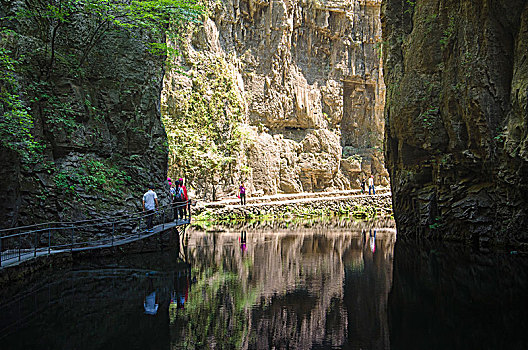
(456, 113)
(93, 97)
(308, 77)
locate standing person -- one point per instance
(185, 198)
(150, 205)
(172, 194)
(371, 184)
(177, 201)
(169, 183)
(242, 194)
(363, 185)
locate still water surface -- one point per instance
(321, 287)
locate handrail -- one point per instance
(38, 239)
(87, 220)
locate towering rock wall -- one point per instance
(456, 75)
(94, 103)
(308, 74)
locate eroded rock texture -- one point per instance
(456, 135)
(309, 75)
(96, 112)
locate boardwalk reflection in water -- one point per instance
(250, 289)
(319, 287)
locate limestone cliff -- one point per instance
(456, 136)
(92, 91)
(309, 84)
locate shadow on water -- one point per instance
(450, 297)
(321, 286)
(96, 305)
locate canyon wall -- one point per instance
(308, 78)
(456, 135)
(94, 114)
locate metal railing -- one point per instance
(26, 242)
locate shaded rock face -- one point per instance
(97, 119)
(457, 77)
(309, 73)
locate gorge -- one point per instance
(288, 96)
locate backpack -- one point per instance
(178, 194)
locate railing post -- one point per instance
(113, 231)
(1, 251)
(19, 245)
(49, 240)
(163, 220)
(72, 232)
(35, 243)
(139, 226)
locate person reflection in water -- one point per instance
(243, 240)
(151, 301)
(180, 294)
(372, 241)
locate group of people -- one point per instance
(372, 189)
(179, 198)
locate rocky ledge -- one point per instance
(353, 204)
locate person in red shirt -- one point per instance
(185, 198)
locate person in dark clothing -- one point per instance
(363, 185)
(177, 201)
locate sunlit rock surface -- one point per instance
(310, 76)
(456, 135)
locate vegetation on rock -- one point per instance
(78, 89)
(204, 123)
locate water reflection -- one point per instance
(449, 297)
(151, 302)
(288, 288)
(301, 289)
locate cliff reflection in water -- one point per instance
(301, 289)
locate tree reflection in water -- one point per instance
(286, 289)
(277, 287)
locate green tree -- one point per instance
(43, 26)
(15, 121)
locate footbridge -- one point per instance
(19, 244)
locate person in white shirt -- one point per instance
(151, 300)
(150, 205)
(371, 184)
